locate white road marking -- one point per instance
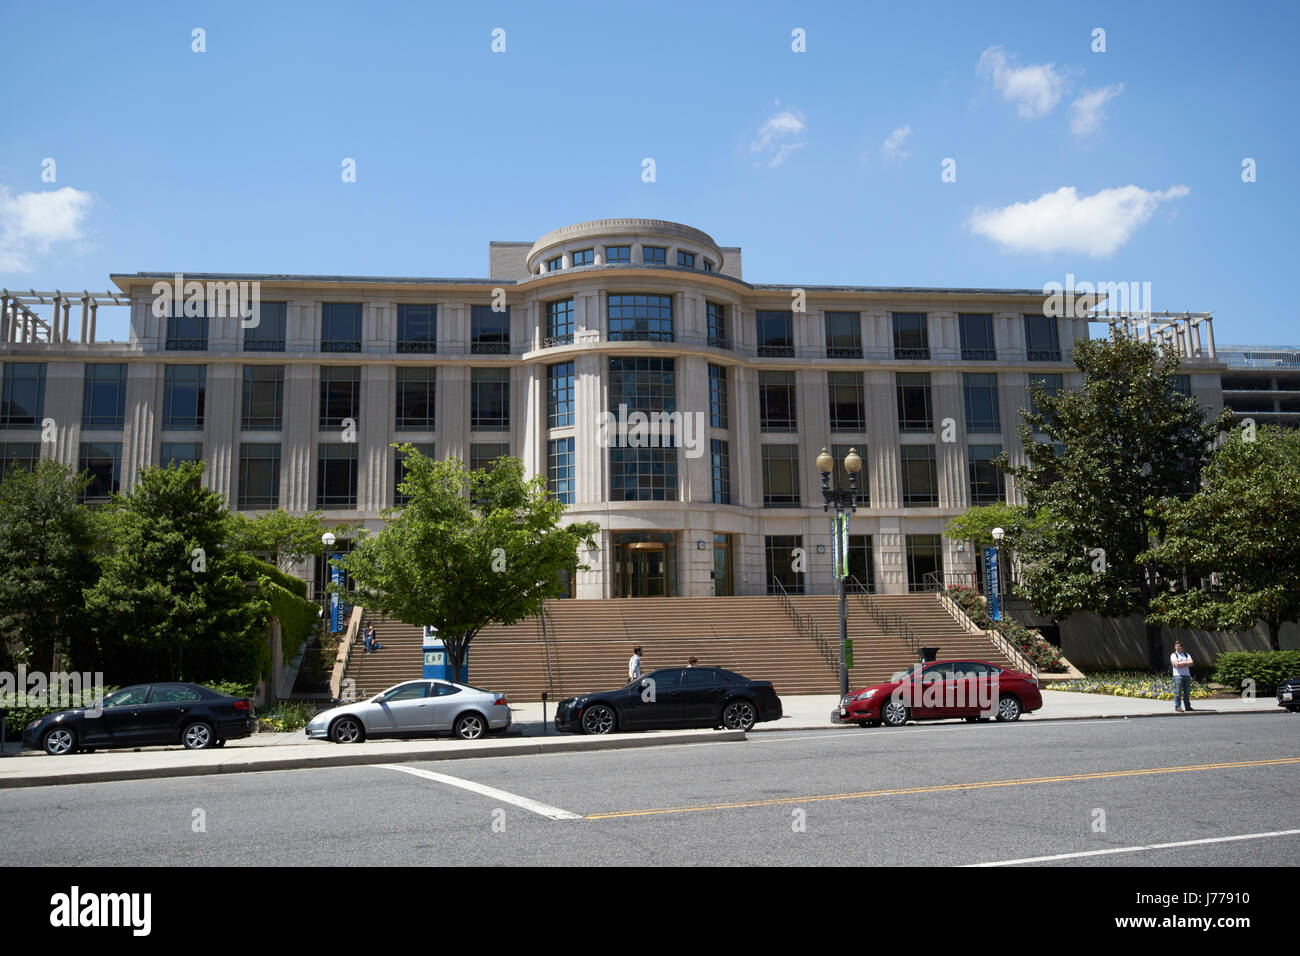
(553, 813)
(1139, 849)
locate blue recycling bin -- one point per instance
(437, 664)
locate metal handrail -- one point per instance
(1012, 653)
(808, 628)
(887, 621)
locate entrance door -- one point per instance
(722, 565)
(643, 570)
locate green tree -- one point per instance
(1115, 449)
(46, 544)
(470, 548)
(1240, 527)
(976, 524)
(286, 539)
(172, 587)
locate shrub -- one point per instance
(1030, 643)
(287, 716)
(1267, 669)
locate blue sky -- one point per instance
(825, 165)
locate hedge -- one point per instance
(1267, 669)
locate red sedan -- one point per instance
(941, 690)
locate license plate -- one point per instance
(844, 711)
(1286, 695)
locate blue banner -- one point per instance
(992, 582)
(335, 605)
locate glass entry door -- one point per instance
(722, 565)
(645, 565)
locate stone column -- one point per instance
(298, 448)
(222, 415)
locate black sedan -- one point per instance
(143, 715)
(672, 698)
(1288, 694)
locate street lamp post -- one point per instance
(328, 539)
(842, 500)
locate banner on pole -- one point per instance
(840, 545)
(992, 582)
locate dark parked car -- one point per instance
(143, 715)
(673, 697)
(944, 689)
(1288, 694)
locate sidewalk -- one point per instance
(527, 735)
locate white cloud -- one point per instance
(893, 145)
(1063, 221)
(31, 222)
(1034, 89)
(1089, 109)
(781, 134)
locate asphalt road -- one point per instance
(1080, 792)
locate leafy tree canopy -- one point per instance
(1234, 541)
(469, 549)
(46, 544)
(171, 583)
(1114, 449)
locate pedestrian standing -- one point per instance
(692, 662)
(1182, 665)
(634, 665)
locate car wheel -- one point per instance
(469, 726)
(894, 714)
(198, 736)
(347, 730)
(59, 741)
(739, 715)
(598, 719)
(1008, 707)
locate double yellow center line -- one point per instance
(942, 788)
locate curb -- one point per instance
(510, 749)
(1030, 718)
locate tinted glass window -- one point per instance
(443, 690)
(700, 677)
(169, 693)
(667, 678)
(126, 697)
(939, 671)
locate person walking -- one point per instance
(634, 665)
(1181, 662)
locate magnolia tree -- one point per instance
(1103, 459)
(1234, 541)
(469, 549)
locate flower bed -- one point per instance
(1130, 684)
(1032, 644)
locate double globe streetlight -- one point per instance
(842, 500)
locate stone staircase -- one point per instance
(590, 641)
